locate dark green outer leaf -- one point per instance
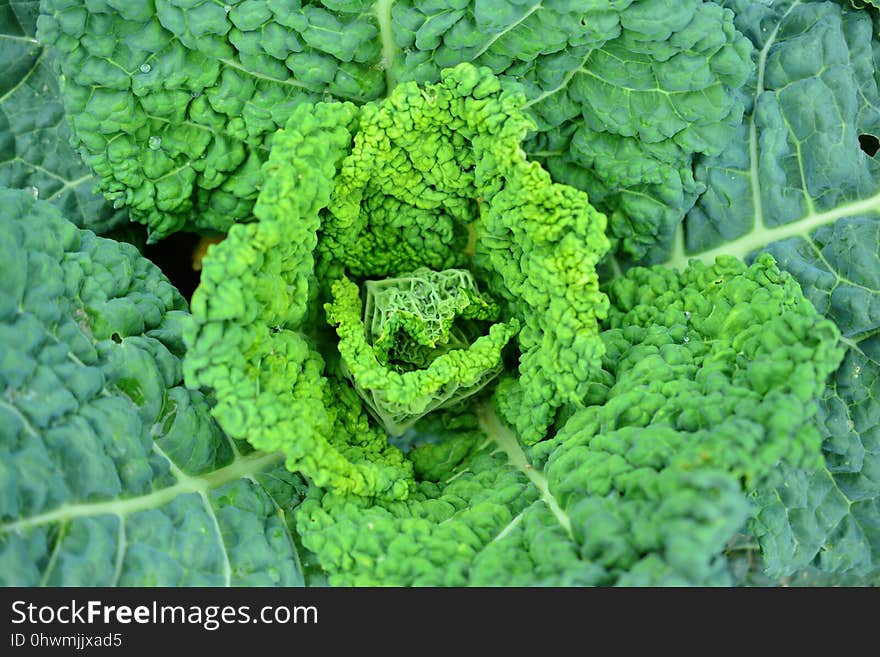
(174, 103)
(111, 472)
(34, 137)
(798, 185)
(831, 518)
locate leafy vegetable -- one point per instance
(112, 472)
(671, 382)
(395, 160)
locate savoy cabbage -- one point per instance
(630, 259)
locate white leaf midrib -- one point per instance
(381, 9)
(761, 235)
(507, 442)
(247, 465)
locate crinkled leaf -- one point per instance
(398, 397)
(437, 177)
(111, 472)
(797, 184)
(830, 518)
(251, 341)
(412, 318)
(187, 94)
(174, 102)
(35, 153)
(709, 382)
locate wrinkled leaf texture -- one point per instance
(35, 152)
(789, 179)
(113, 473)
(796, 184)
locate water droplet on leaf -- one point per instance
(155, 143)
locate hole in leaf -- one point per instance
(116, 338)
(870, 144)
